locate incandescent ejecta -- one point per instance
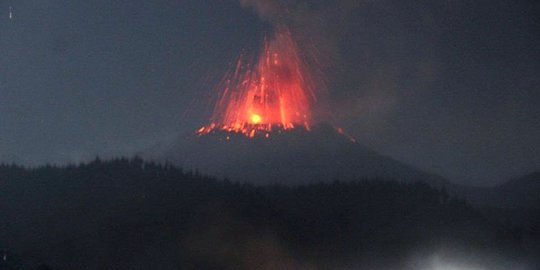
(275, 92)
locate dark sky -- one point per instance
(449, 86)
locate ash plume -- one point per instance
(317, 26)
(266, 9)
(359, 76)
(316, 23)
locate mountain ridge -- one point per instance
(321, 154)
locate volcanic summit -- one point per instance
(262, 128)
(275, 92)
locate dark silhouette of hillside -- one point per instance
(288, 157)
(522, 192)
(297, 156)
(131, 214)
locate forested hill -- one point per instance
(129, 214)
(522, 192)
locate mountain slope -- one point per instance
(519, 192)
(289, 157)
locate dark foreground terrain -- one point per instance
(128, 214)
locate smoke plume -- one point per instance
(266, 9)
(317, 27)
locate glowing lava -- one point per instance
(256, 119)
(275, 92)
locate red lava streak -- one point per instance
(274, 92)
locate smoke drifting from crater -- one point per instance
(266, 9)
(317, 24)
(317, 27)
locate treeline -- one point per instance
(131, 214)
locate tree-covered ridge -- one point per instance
(131, 214)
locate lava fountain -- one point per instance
(273, 92)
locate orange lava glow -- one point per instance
(273, 92)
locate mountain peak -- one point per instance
(290, 157)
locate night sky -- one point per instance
(452, 87)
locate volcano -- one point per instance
(288, 157)
(262, 128)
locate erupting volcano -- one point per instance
(274, 92)
(265, 127)
(265, 111)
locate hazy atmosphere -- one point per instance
(451, 87)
